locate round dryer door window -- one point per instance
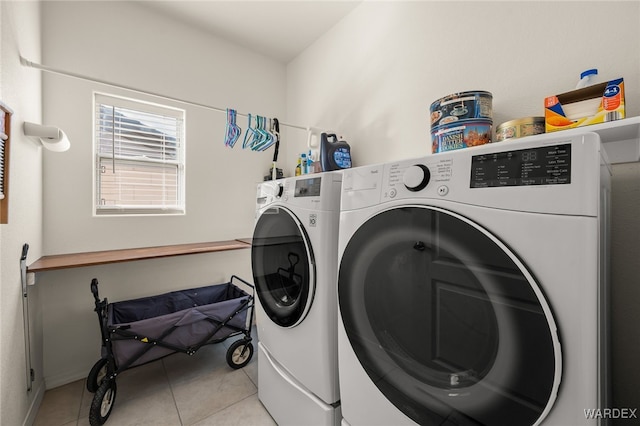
(447, 322)
(283, 266)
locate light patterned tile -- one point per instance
(202, 386)
(251, 369)
(139, 383)
(249, 411)
(60, 405)
(203, 396)
(153, 409)
(87, 397)
(145, 379)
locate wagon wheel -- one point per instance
(97, 374)
(102, 403)
(239, 353)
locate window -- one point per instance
(139, 163)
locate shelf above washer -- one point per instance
(621, 138)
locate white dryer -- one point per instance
(294, 262)
(473, 286)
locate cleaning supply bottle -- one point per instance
(298, 168)
(309, 163)
(334, 155)
(587, 78)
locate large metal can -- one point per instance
(519, 128)
(461, 120)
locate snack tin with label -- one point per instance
(461, 120)
(519, 128)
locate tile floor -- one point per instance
(178, 390)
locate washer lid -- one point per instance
(446, 320)
(283, 266)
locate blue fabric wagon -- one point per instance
(138, 331)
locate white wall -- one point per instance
(129, 44)
(20, 90)
(374, 75)
(133, 45)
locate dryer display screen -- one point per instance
(307, 187)
(547, 165)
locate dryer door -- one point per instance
(446, 320)
(283, 266)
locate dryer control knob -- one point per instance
(416, 177)
(279, 190)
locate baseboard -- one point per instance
(38, 396)
(64, 379)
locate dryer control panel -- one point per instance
(546, 165)
(319, 192)
(309, 187)
(550, 173)
(430, 175)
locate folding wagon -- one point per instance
(138, 331)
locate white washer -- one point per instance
(294, 262)
(473, 286)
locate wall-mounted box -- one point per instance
(595, 104)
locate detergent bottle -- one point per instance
(335, 154)
(587, 78)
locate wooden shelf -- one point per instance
(76, 260)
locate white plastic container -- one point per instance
(587, 107)
(588, 78)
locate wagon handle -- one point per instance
(237, 277)
(94, 289)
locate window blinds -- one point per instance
(139, 157)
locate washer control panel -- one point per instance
(551, 173)
(416, 177)
(430, 175)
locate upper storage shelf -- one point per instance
(621, 138)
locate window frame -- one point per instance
(145, 107)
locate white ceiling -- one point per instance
(278, 29)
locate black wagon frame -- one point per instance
(139, 331)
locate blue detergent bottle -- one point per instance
(334, 154)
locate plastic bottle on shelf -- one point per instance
(588, 78)
(298, 168)
(309, 163)
(303, 163)
(587, 107)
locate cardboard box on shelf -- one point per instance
(595, 104)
